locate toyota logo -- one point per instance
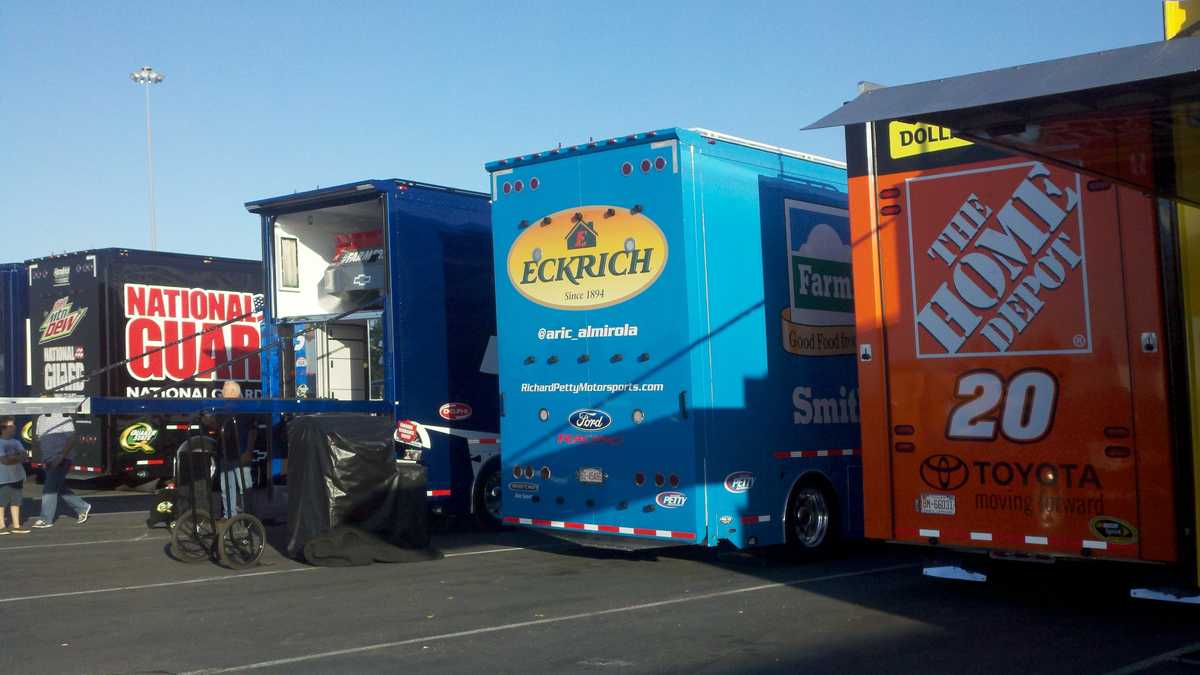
(944, 472)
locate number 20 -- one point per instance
(1026, 406)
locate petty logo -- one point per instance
(739, 481)
(455, 411)
(670, 500)
(590, 420)
(138, 436)
(587, 257)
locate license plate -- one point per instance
(938, 505)
(591, 475)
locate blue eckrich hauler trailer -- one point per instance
(676, 343)
(380, 294)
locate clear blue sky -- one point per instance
(264, 99)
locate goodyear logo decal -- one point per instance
(907, 140)
(587, 257)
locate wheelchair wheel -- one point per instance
(241, 541)
(193, 537)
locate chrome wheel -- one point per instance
(810, 517)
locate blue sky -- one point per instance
(264, 99)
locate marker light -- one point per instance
(519, 185)
(673, 480)
(645, 166)
(516, 472)
(507, 187)
(529, 472)
(639, 478)
(545, 473)
(659, 480)
(534, 183)
(660, 163)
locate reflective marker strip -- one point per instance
(929, 533)
(179, 427)
(750, 520)
(794, 454)
(437, 493)
(151, 462)
(591, 527)
(1040, 541)
(1096, 545)
(483, 441)
(981, 536)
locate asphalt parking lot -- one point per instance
(105, 597)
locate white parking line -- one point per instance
(1145, 664)
(164, 584)
(540, 622)
(144, 537)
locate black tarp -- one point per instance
(349, 501)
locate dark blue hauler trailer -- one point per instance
(380, 296)
(676, 343)
(14, 300)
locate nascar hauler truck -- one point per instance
(91, 312)
(13, 298)
(676, 343)
(380, 296)
(1013, 353)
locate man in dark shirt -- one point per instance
(237, 436)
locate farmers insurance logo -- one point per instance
(820, 319)
(998, 264)
(587, 257)
(61, 322)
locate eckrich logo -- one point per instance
(739, 481)
(61, 322)
(138, 436)
(670, 500)
(590, 420)
(998, 263)
(587, 257)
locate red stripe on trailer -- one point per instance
(437, 493)
(809, 454)
(483, 441)
(751, 520)
(179, 427)
(591, 527)
(151, 462)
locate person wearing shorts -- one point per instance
(12, 477)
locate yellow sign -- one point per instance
(587, 257)
(1180, 18)
(907, 140)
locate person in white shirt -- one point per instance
(12, 476)
(56, 438)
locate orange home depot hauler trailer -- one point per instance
(1024, 296)
(1010, 331)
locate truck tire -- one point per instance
(812, 519)
(486, 500)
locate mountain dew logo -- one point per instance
(138, 436)
(61, 321)
(820, 318)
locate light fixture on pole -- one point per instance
(147, 76)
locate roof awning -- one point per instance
(1129, 114)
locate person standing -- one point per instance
(237, 437)
(56, 438)
(12, 476)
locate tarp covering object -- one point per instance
(343, 478)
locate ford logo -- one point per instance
(590, 420)
(670, 500)
(739, 481)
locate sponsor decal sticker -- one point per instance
(61, 322)
(739, 481)
(301, 362)
(27, 432)
(820, 319)
(998, 266)
(1114, 529)
(138, 437)
(587, 332)
(590, 420)
(587, 257)
(63, 369)
(523, 487)
(908, 140)
(62, 276)
(949, 472)
(455, 411)
(670, 500)
(944, 472)
(158, 315)
(581, 439)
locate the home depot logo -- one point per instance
(998, 263)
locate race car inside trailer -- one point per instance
(676, 343)
(1026, 308)
(91, 312)
(380, 293)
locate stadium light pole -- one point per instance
(146, 77)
